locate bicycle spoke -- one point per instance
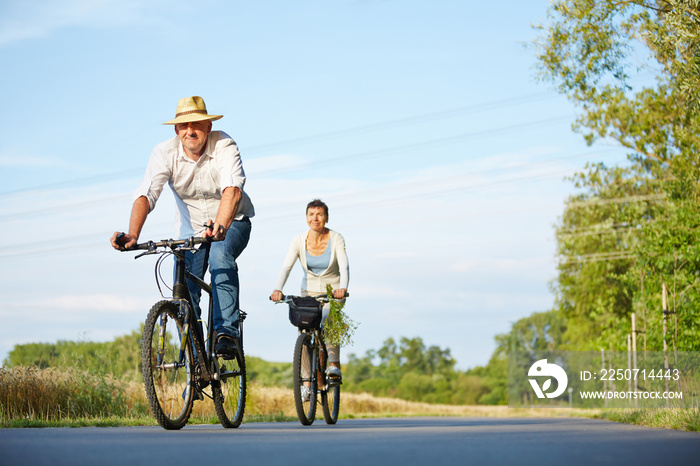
(230, 391)
(304, 379)
(167, 373)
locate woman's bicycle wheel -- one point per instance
(304, 380)
(330, 395)
(167, 374)
(229, 392)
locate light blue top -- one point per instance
(317, 264)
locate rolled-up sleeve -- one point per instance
(229, 163)
(158, 172)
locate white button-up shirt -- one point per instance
(197, 186)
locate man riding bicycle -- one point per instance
(205, 172)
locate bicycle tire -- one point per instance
(303, 377)
(169, 389)
(330, 395)
(330, 398)
(230, 391)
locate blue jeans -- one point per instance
(224, 277)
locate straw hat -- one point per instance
(191, 109)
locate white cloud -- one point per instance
(23, 20)
(266, 165)
(98, 302)
(27, 161)
(502, 265)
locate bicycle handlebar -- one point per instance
(151, 247)
(169, 243)
(322, 297)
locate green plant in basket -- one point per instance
(339, 328)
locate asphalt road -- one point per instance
(358, 442)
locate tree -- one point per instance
(632, 228)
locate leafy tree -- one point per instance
(632, 228)
(411, 371)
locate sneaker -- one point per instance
(333, 371)
(305, 394)
(226, 346)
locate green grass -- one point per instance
(665, 418)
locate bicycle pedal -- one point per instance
(198, 396)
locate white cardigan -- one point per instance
(337, 274)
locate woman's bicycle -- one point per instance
(177, 360)
(310, 361)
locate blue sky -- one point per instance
(421, 124)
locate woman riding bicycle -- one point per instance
(321, 252)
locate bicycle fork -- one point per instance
(188, 329)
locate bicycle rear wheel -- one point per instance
(304, 380)
(167, 372)
(230, 391)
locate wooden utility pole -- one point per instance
(605, 381)
(629, 361)
(664, 305)
(634, 353)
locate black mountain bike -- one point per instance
(310, 361)
(177, 360)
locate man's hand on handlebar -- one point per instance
(122, 241)
(340, 293)
(276, 296)
(214, 231)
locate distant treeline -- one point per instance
(407, 370)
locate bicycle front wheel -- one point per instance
(167, 371)
(330, 395)
(304, 379)
(330, 398)
(230, 390)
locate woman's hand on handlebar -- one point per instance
(122, 241)
(340, 293)
(276, 296)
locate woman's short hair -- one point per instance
(317, 203)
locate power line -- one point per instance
(441, 181)
(336, 160)
(599, 232)
(56, 209)
(599, 257)
(618, 200)
(95, 179)
(407, 121)
(317, 137)
(419, 145)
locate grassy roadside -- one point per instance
(31, 397)
(677, 419)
